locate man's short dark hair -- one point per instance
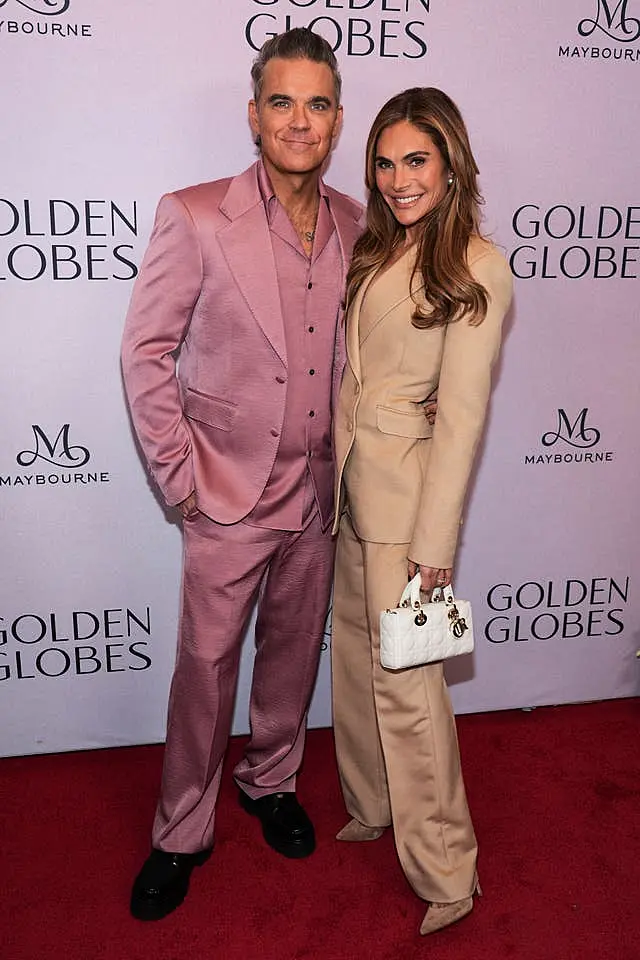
(297, 44)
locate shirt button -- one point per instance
(311, 372)
(311, 329)
(274, 433)
(309, 285)
(312, 413)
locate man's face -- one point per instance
(297, 117)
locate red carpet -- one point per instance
(554, 795)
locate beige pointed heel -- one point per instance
(356, 832)
(440, 915)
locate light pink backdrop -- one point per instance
(153, 97)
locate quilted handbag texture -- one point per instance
(416, 633)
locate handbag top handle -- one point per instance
(411, 593)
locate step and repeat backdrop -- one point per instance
(108, 105)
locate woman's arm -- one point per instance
(463, 396)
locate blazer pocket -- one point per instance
(401, 423)
(210, 410)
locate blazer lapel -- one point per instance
(353, 329)
(393, 287)
(346, 219)
(246, 245)
(347, 216)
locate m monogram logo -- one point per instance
(46, 8)
(576, 434)
(60, 453)
(612, 19)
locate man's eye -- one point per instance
(319, 106)
(280, 103)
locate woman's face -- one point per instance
(411, 173)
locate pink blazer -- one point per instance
(208, 288)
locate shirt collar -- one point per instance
(268, 194)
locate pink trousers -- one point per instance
(226, 568)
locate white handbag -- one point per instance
(415, 633)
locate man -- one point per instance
(244, 277)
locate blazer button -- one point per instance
(274, 433)
(281, 380)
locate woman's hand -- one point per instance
(430, 410)
(431, 576)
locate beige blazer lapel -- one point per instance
(391, 292)
(353, 330)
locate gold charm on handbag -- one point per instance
(415, 633)
(458, 623)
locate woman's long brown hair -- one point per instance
(441, 263)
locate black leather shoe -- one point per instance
(285, 825)
(162, 884)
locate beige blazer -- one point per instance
(406, 480)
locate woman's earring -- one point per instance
(450, 180)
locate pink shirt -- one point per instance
(310, 295)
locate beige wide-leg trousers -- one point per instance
(395, 732)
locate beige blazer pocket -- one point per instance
(401, 423)
(212, 411)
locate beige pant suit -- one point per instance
(400, 489)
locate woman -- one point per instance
(426, 297)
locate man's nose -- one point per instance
(299, 119)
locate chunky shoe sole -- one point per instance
(148, 908)
(294, 849)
